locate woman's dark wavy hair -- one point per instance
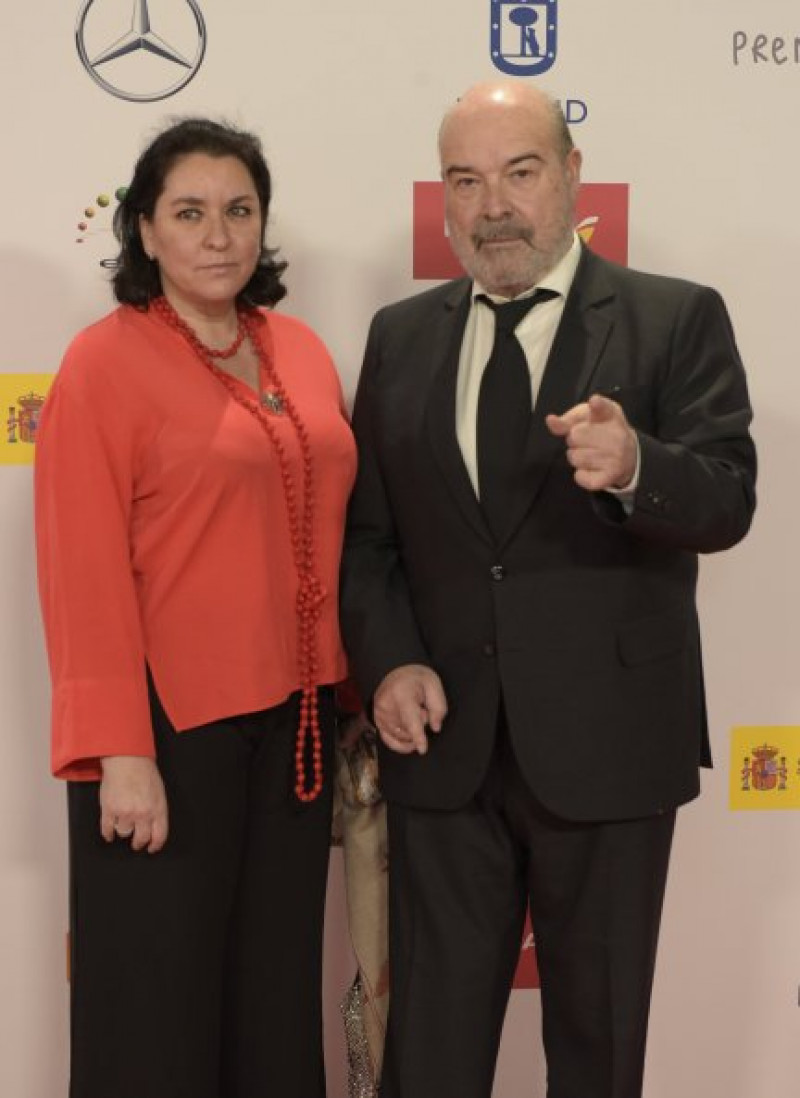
(136, 280)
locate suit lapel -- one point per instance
(581, 337)
(440, 416)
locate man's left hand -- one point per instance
(601, 444)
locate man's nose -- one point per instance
(495, 200)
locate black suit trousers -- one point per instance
(460, 882)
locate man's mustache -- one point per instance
(492, 231)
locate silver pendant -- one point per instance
(272, 402)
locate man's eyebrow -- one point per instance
(460, 169)
(525, 156)
(465, 169)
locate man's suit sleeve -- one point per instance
(696, 487)
(378, 623)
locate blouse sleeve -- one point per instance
(84, 487)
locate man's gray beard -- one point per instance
(523, 270)
(501, 272)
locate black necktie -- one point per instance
(504, 411)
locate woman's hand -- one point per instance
(133, 803)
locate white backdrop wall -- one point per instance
(698, 115)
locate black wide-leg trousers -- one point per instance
(460, 883)
(196, 972)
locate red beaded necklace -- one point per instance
(310, 592)
(227, 352)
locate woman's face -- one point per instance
(205, 232)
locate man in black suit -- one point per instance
(519, 606)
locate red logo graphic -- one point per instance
(23, 418)
(601, 220)
(527, 974)
(766, 771)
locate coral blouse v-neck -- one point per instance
(163, 538)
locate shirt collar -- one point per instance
(559, 279)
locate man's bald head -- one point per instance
(493, 97)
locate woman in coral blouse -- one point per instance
(193, 466)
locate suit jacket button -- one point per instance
(497, 572)
(488, 650)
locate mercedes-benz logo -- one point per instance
(139, 65)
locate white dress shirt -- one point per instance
(535, 333)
